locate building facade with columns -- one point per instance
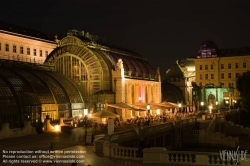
(216, 74)
(106, 73)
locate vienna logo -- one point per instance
(233, 155)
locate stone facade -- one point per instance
(23, 44)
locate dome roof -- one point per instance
(208, 49)
(171, 93)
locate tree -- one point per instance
(243, 86)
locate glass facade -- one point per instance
(29, 94)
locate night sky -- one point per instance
(160, 30)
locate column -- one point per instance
(149, 90)
(136, 93)
(129, 96)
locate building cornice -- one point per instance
(28, 37)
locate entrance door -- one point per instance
(211, 100)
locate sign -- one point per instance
(234, 155)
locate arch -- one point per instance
(72, 50)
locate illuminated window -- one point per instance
(222, 75)
(212, 76)
(206, 67)
(229, 75)
(236, 65)
(14, 48)
(212, 66)
(229, 65)
(222, 66)
(206, 76)
(244, 64)
(46, 53)
(41, 53)
(21, 50)
(7, 47)
(28, 51)
(200, 67)
(34, 51)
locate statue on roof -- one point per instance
(120, 64)
(158, 74)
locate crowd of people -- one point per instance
(137, 121)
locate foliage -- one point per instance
(243, 86)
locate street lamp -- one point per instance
(148, 108)
(234, 101)
(85, 112)
(202, 104)
(86, 123)
(179, 105)
(210, 109)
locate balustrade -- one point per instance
(191, 158)
(147, 130)
(125, 153)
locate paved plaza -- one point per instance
(63, 142)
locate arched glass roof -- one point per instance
(131, 63)
(106, 57)
(40, 88)
(61, 95)
(70, 88)
(24, 87)
(7, 97)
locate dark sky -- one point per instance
(160, 30)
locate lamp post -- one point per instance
(179, 105)
(234, 101)
(202, 104)
(86, 123)
(148, 108)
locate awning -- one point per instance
(124, 106)
(104, 114)
(143, 106)
(177, 104)
(158, 106)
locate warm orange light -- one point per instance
(57, 128)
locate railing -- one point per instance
(161, 155)
(147, 130)
(123, 136)
(125, 153)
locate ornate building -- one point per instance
(181, 75)
(61, 78)
(216, 74)
(106, 73)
